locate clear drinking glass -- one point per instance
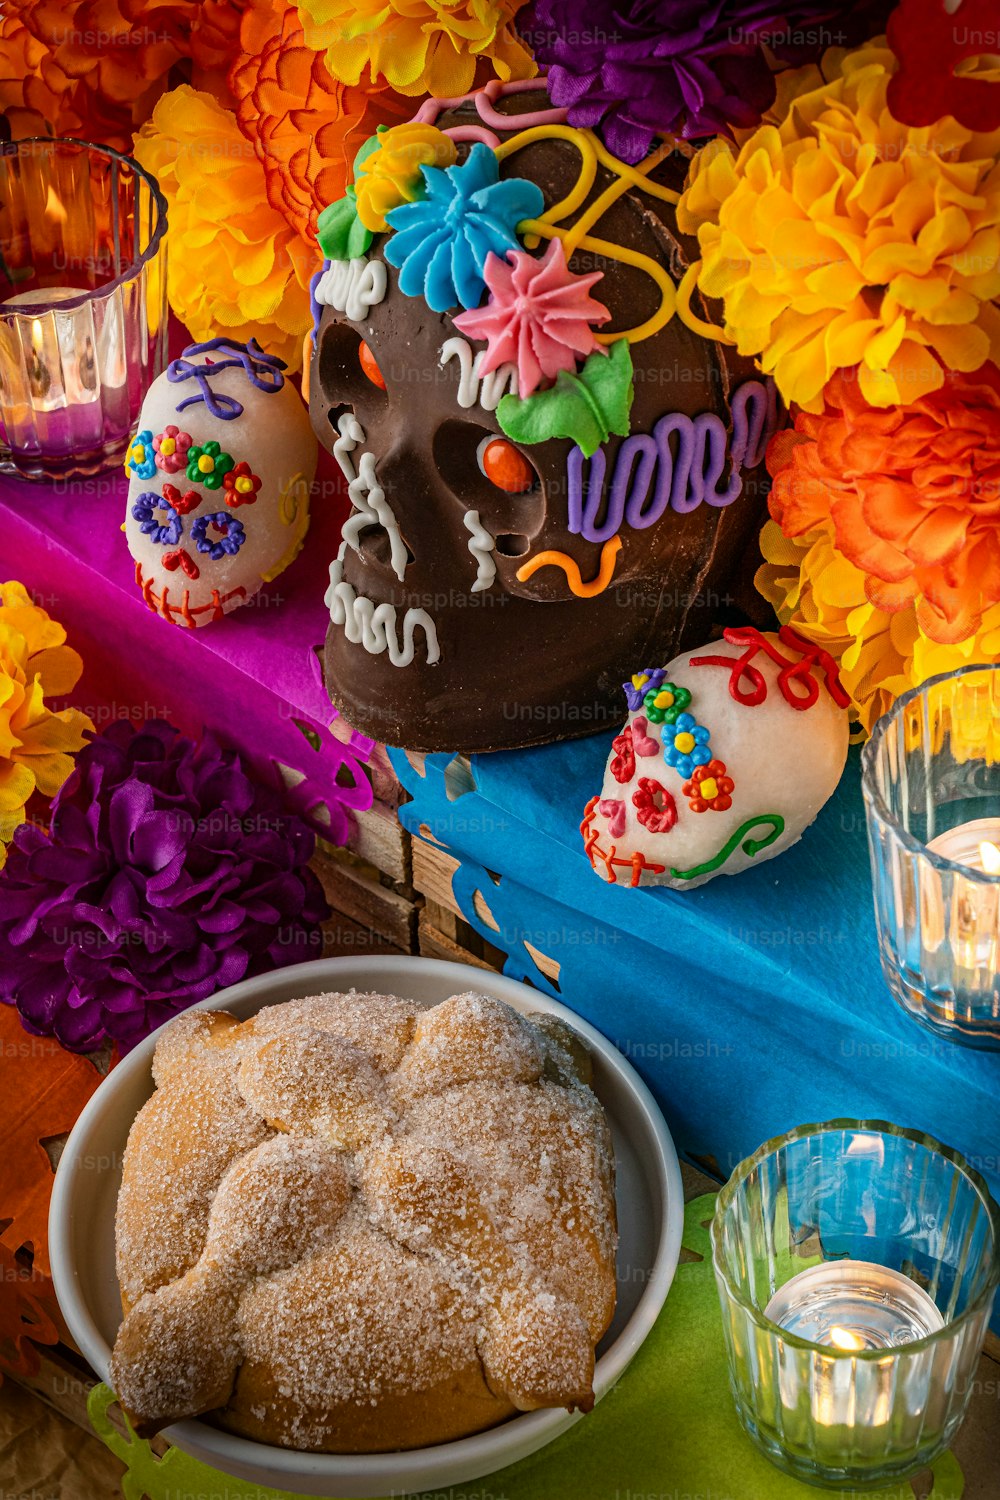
(931, 777)
(83, 313)
(855, 1406)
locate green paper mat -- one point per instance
(668, 1430)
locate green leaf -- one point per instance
(371, 144)
(587, 408)
(340, 232)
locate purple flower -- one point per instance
(167, 874)
(683, 67)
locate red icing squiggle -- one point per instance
(792, 672)
(608, 858)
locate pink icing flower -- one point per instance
(538, 316)
(170, 448)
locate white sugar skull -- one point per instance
(729, 753)
(219, 478)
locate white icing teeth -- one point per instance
(481, 547)
(375, 626)
(371, 508)
(352, 286)
(473, 386)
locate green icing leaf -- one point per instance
(371, 144)
(340, 232)
(587, 408)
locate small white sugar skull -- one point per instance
(219, 471)
(729, 753)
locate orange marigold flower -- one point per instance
(879, 655)
(913, 495)
(37, 97)
(418, 46)
(837, 237)
(305, 125)
(35, 744)
(236, 265)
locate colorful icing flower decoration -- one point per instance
(623, 763)
(665, 702)
(166, 533)
(141, 456)
(241, 485)
(388, 174)
(208, 465)
(229, 542)
(442, 242)
(709, 789)
(686, 746)
(644, 681)
(655, 806)
(539, 316)
(170, 448)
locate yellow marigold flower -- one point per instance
(390, 174)
(816, 589)
(418, 46)
(35, 743)
(837, 237)
(236, 264)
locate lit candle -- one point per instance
(854, 1305)
(976, 844)
(58, 358)
(972, 915)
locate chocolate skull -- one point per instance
(219, 473)
(492, 590)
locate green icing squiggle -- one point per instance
(775, 822)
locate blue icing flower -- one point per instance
(685, 745)
(232, 538)
(141, 457)
(442, 241)
(169, 533)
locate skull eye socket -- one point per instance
(505, 465)
(347, 368)
(369, 365)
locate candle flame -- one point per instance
(990, 857)
(54, 208)
(843, 1338)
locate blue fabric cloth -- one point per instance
(751, 1005)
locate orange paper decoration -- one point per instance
(44, 1091)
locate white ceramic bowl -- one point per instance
(650, 1220)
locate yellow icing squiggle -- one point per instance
(593, 152)
(569, 565)
(659, 274)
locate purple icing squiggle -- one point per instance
(634, 695)
(262, 370)
(315, 307)
(651, 472)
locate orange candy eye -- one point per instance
(369, 364)
(506, 466)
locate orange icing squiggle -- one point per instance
(550, 559)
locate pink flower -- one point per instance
(170, 447)
(538, 316)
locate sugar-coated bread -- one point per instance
(351, 1224)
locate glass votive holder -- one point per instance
(857, 1265)
(931, 782)
(83, 312)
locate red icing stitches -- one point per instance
(592, 845)
(792, 672)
